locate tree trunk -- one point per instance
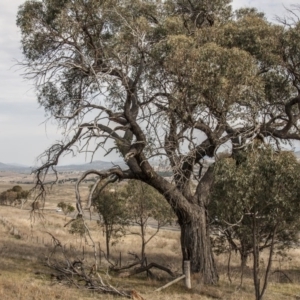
(192, 218)
(107, 238)
(244, 258)
(256, 278)
(196, 246)
(143, 245)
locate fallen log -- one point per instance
(150, 266)
(170, 283)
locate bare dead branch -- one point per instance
(75, 272)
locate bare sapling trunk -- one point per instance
(256, 278)
(244, 258)
(107, 240)
(259, 293)
(143, 243)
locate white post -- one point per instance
(187, 273)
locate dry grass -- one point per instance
(22, 260)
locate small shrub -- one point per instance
(77, 227)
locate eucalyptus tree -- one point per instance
(67, 208)
(175, 79)
(255, 202)
(143, 204)
(113, 215)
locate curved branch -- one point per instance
(288, 111)
(167, 95)
(103, 128)
(113, 179)
(116, 117)
(148, 267)
(117, 172)
(284, 132)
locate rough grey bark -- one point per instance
(192, 218)
(196, 246)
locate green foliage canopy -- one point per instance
(144, 202)
(66, 207)
(15, 195)
(260, 184)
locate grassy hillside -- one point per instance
(24, 252)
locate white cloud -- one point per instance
(23, 137)
(271, 8)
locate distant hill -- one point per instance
(97, 165)
(15, 168)
(17, 165)
(297, 154)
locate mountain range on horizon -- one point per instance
(98, 165)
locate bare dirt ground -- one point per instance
(23, 253)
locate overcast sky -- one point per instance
(23, 134)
